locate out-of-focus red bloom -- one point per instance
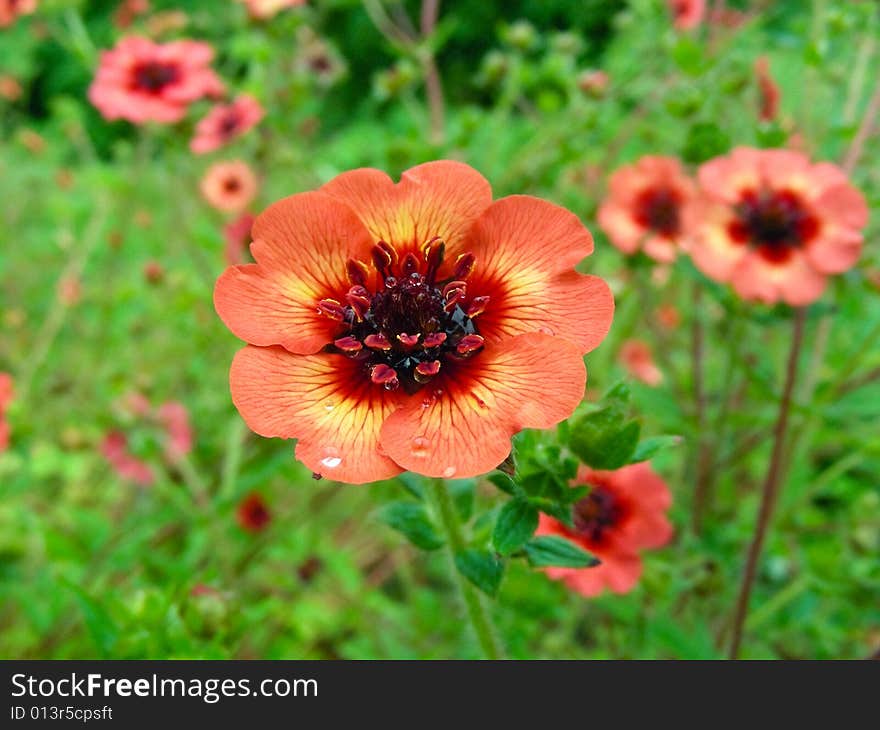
(253, 513)
(6, 396)
(638, 360)
(114, 448)
(178, 434)
(643, 207)
(774, 225)
(10, 10)
(10, 89)
(238, 235)
(624, 513)
(153, 272)
(416, 325)
(137, 404)
(687, 14)
(69, 290)
(263, 9)
(726, 17)
(229, 186)
(225, 122)
(768, 91)
(142, 81)
(668, 316)
(594, 83)
(128, 10)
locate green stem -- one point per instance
(476, 611)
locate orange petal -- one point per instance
(323, 400)
(301, 245)
(530, 381)
(440, 198)
(526, 250)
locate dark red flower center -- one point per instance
(601, 510)
(153, 76)
(229, 123)
(253, 514)
(232, 184)
(658, 210)
(774, 222)
(413, 325)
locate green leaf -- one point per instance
(705, 140)
(649, 447)
(604, 439)
(618, 393)
(412, 483)
(555, 551)
(98, 621)
(516, 523)
(504, 482)
(482, 568)
(688, 56)
(462, 492)
(411, 520)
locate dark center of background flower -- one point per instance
(596, 513)
(404, 332)
(229, 123)
(232, 184)
(775, 222)
(154, 76)
(658, 210)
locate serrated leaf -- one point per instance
(482, 568)
(649, 447)
(516, 523)
(412, 521)
(554, 551)
(604, 439)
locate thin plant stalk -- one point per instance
(476, 610)
(772, 483)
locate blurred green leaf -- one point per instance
(650, 447)
(516, 523)
(412, 521)
(555, 551)
(482, 568)
(604, 439)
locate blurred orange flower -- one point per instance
(128, 11)
(174, 417)
(643, 207)
(142, 81)
(237, 234)
(6, 396)
(264, 9)
(687, 14)
(768, 91)
(114, 448)
(229, 186)
(10, 89)
(668, 316)
(624, 512)
(225, 122)
(12, 9)
(774, 225)
(416, 325)
(638, 360)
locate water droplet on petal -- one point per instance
(329, 407)
(419, 446)
(546, 330)
(331, 459)
(449, 472)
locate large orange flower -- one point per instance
(11, 9)
(774, 225)
(624, 512)
(643, 207)
(411, 326)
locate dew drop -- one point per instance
(331, 459)
(329, 407)
(419, 446)
(449, 472)
(546, 330)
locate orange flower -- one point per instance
(143, 81)
(624, 512)
(128, 11)
(224, 123)
(638, 361)
(229, 186)
(643, 207)
(263, 9)
(768, 91)
(774, 225)
(6, 396)
(668, 317)
(416, 325)
(10, 89)
(687, 14)
(114, 449)
(11, 9)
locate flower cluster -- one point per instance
(768, 221)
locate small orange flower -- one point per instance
(10, 10)
(774, 225)
(624, 512)
(128, 11)
(174, 417)
(643, 207)
(668, 316)
(768, 91)
(10, 89)
(225, 122)
(416, 325)
(69, 290)
(142, 81)
(6, 396)
(114, 449)
(638, 361)
(687, 14)
(229, 186)
(263, 9)
(594, 83)
(253, 513)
